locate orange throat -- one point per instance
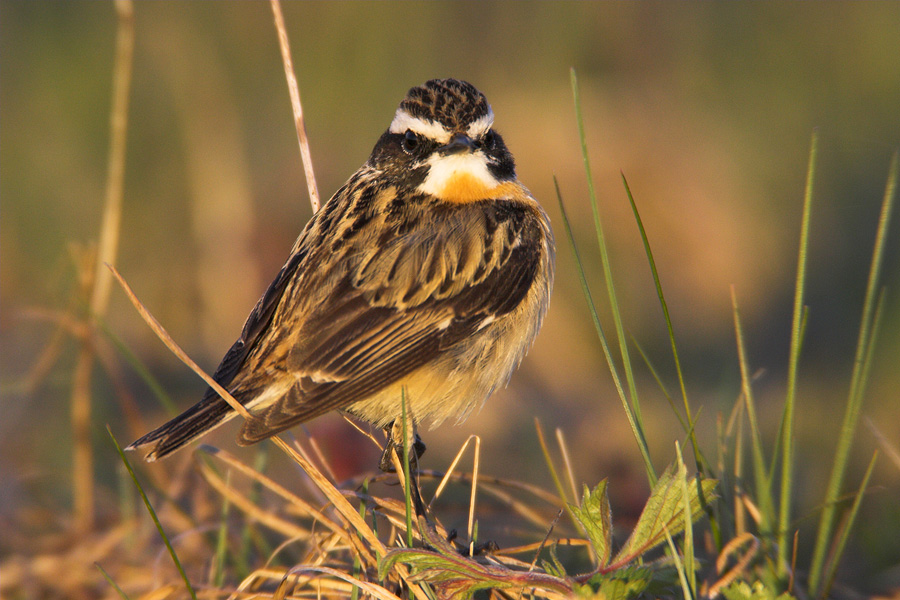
(462, 187)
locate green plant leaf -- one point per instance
(621, 584)
(595, 516)
(459, 576)
(741, 590)
(665, 511)
(622, 588)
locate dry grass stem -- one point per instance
(323, 463)
(250, 508)
(570, 472)
(449, 473)
(540, 547)
(494, 486)
(174, 348)
(112, 213)
(745, 547)
(100, 284)
(294, 91)
(508, 553)
(299, 506)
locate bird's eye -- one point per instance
(410, 141)
(488, 139)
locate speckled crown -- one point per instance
(452, 103)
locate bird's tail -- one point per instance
(198, 420)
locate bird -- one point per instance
(415, 290)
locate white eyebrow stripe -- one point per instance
(481, 126)
(432, 130)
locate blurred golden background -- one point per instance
(707, 109)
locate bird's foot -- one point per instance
(478, 549)
(395, 442)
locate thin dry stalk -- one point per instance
(252, 510)
(734, 548)
(449, 473)
(100, 286)
(398, 469)
(570, 473)
(492, 485)
(365, 432)
(320, 456)
(529, 548)
(299, 575)
(740, 519)
(112, 214)
(476, 460)
(540, 547)
(294, 91)
(298, 504)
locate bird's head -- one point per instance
(442, 143)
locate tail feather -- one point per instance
(198, 420)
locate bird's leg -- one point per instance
(395, 444)
(394, 433)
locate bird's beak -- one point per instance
(458, 143)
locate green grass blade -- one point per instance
(840, 546)
(242, 556)
(660, 384)
(635, 412)
(636, 430)
(698, 455)
(679, 567)
(222, 539)
(407, 490)
(607, 268)
(152, 512)
(357, 565)
(689, 558)
(761, 475)
(111, 582)
(787, 423)
(857, 384)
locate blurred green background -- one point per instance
(707, 108)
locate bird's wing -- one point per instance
(389, 311)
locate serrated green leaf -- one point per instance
(741, 590)
(621, 584)
(595, 516)
(459, 576)
(623, 589)
(665, 511)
